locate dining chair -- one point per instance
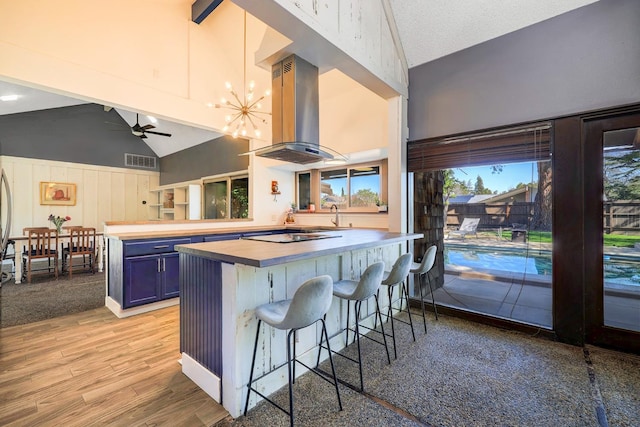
(82, 243)
(42, 244)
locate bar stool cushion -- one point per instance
(399, 271)
(310, 302)
(427, 262)
(358, 290)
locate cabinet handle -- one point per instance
(158, 265)
(161, 247)
(164, 264)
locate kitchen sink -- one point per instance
(291, 237)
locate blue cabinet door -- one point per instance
(141, 280)
(170, 275)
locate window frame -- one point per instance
(228, 179)
(316, 183)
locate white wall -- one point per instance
(102, 193)
(170, 67)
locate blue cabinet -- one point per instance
(151, 278)
(151, 271)
(144, 271)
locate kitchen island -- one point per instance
(221, 283)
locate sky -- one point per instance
(511, 175)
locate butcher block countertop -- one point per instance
(264, 254)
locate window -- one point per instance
(356, 188)
(304, 190)
(217, 193)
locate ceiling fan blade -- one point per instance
(147, 127)
(158, 133)
(143, 136)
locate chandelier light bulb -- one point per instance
(267, 92)
(243, 108)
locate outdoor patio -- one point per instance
(525, 297)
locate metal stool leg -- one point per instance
(405, 291)
(384, 337)
(433, 298)
(424, 318)
(290, 370)
(390, 315)
(253, 363)
(357, 306)
(333, 369)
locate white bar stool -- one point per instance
(423, 269)
(399, 272)
(359, 291)
(309, 305)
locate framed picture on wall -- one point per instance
(57, 193)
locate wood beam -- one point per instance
(200, 9)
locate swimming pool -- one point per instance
(617, 270)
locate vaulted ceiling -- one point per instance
(428, 29)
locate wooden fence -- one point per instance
(623, 216)
(492, 215)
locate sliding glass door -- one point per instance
(612, 229)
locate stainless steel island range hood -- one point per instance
(295, 133)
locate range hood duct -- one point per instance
(295, 132)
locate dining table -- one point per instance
(20, 246)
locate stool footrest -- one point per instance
(269, 400)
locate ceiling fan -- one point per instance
(140, 131)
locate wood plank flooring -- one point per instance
(92, 368)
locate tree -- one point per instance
(480, 188)
(622, 176)
(364, 197)
(542, 204)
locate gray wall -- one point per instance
(582, 60)
(77, 134)
(218, 156)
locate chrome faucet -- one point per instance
(336, 221)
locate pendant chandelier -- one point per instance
(244, 110)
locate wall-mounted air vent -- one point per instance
(138, 161)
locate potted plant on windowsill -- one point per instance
(382, 206)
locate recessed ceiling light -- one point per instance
(9, 97)
(153, 119)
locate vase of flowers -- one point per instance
(58, 221)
